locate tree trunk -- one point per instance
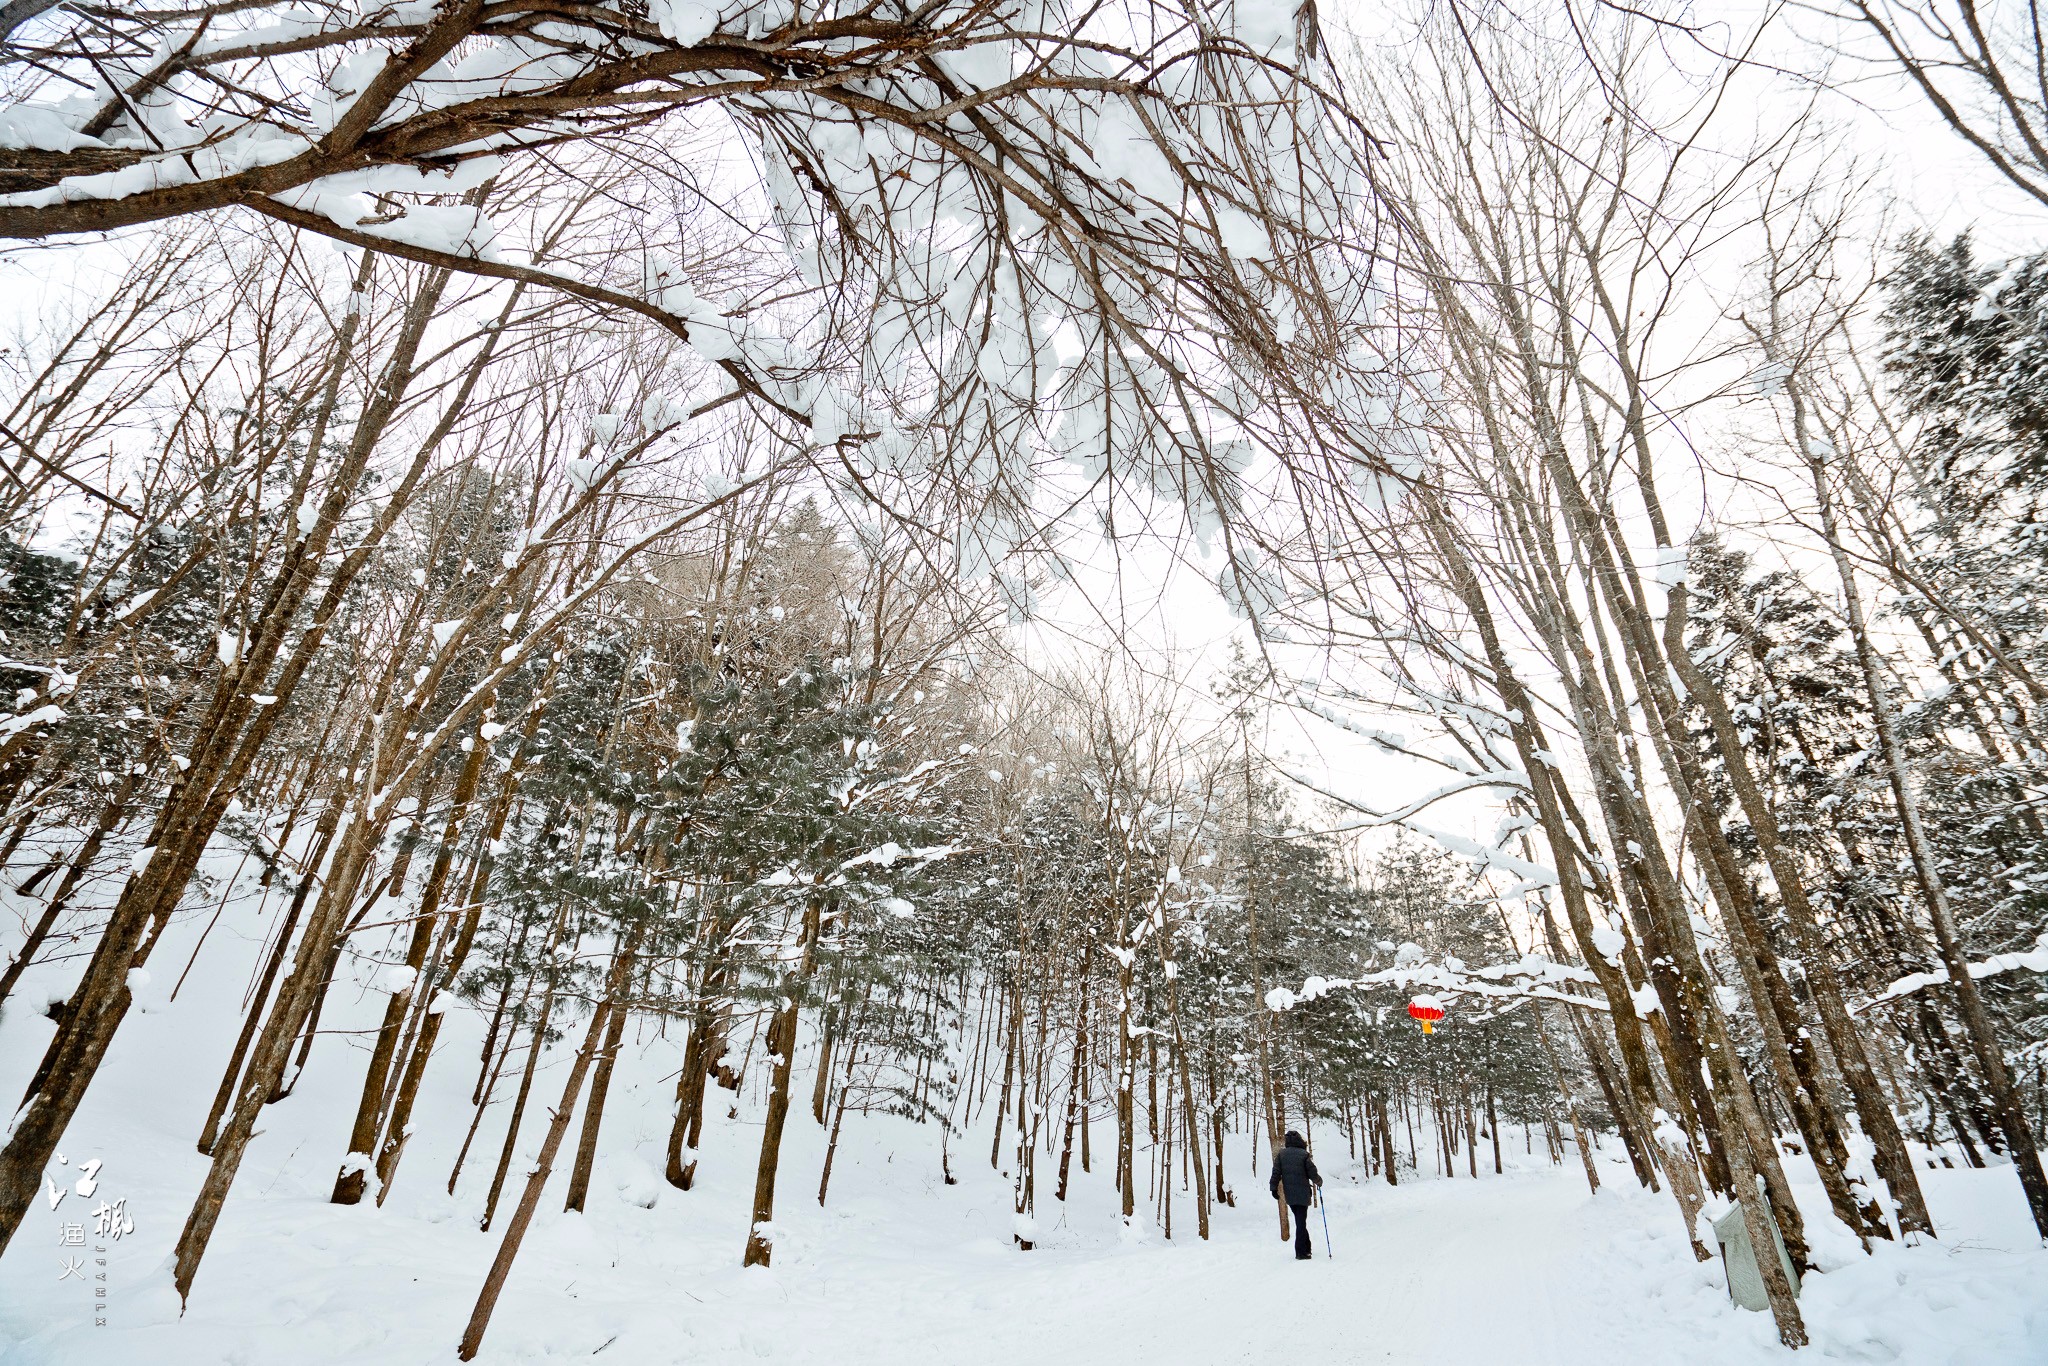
(1074, 1073)
(832, 1143)
(601, 1080)
(110, 817)
(706, 1033)
(534, 1047)
(536, 1180)
(1493, 1130)
(487, 1087)
(782, 1047)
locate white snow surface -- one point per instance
(897, 1267)
(28, 126)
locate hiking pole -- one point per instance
(1325, 1208)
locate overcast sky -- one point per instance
(1166, 616)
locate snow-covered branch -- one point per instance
(2035, 960)
(1531, 976)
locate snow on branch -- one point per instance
(1512, 779)
(1389, 741)
(47, 714)
(1019, 234)
(2033, 961)
(1533, 976)
(1483, 857)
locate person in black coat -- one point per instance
(1294, 1172)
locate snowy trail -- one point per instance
(1435, 1269)
(1443, 1269)
(1421, 1266)
(899, 1268)
(1432, 1268)
(1523, 1270)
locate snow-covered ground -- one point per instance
(897, 1267)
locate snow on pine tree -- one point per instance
(1965, 348)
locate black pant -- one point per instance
(1301, 1248)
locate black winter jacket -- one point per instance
(1296, 1170)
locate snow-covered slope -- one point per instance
(897, 1267)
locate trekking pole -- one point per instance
(1321, 1205)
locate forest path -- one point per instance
(1431, 1271)
(899, 1268)
(1524, 1269)
(1455, 1268)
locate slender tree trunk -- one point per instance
(820, 1089)
(832, 1143)
(699, 1058)
(1388, 1161)
(536, 1181)
(535, 1045)
(111, 816)
(1126, 1099)
(1011, 1065)
(1493, 1130)
(26, 954)
(1075, 1072)
(782, 1035)
(482, 1103)
(398, 1125)
(601, 1080)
